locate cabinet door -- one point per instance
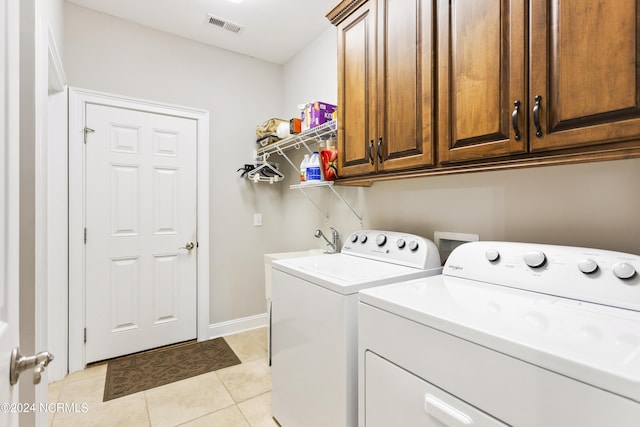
(481, 74)
(584, 66)
(357, 92)
(406, 84)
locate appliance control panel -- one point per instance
(394, 247)
(593, 275)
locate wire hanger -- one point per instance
(265, 172)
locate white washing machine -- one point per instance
(510, 334)
(314, 322)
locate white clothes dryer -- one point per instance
(510, 334)
(314, 322)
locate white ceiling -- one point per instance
(273, 30)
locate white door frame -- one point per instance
(55, 192)
(9, 201)
(78, 99)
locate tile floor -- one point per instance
(236, 396)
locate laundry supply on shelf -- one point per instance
(313, 168)
(329, 160)
(316, 113)
(303, 168)
(283, 130)
(295, 126)
(267, 132)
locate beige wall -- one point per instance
(591, 204)
(311, 75)
(112, 55)
(595, 204)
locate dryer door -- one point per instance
(395, 397)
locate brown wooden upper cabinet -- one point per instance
(580, 64)
(584, 65)
(481, 72)
(386, 85)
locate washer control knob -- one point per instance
(535, 259)
(492, 255)
(413, 245)
(354, 238)
(363, 238)
(587, 266)
(623, 270)
(401, 243)
(381, 240)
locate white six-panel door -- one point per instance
(140, 217)
(9, 203)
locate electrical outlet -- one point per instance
(257, 219)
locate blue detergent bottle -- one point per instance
(313, 168)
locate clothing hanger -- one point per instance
(264, 172)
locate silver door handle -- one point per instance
(188, 246)
(20, 363)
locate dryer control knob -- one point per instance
(413, 245)
(401, 243)
(623, 270)
(354, 238)
(363, 238)
(587, 266)
(535, 259)
(381, 240)
(492, 255)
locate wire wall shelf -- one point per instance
(304, 139)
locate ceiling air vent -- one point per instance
(224, 23)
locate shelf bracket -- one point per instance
(326, 215)
(310, 184)
(282, 153)
(306, 146)
(346, 203)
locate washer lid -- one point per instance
(347, 274)
(592, 343)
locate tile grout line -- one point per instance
(146, 407)
(255, 345)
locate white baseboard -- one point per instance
(216, 330)
(238, 325)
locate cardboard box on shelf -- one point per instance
(316, 113)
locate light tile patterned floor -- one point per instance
(236, 396)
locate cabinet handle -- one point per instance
(536, 116)
(380, 159)
(514, 119)
(371, 159)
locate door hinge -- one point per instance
(85, 335)
(86, 131)
(85, 235)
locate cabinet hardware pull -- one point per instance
(371, 159)
(514, 119)
(380, 159)
(536, 116)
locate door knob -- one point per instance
(20, 363)
(188, 246)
